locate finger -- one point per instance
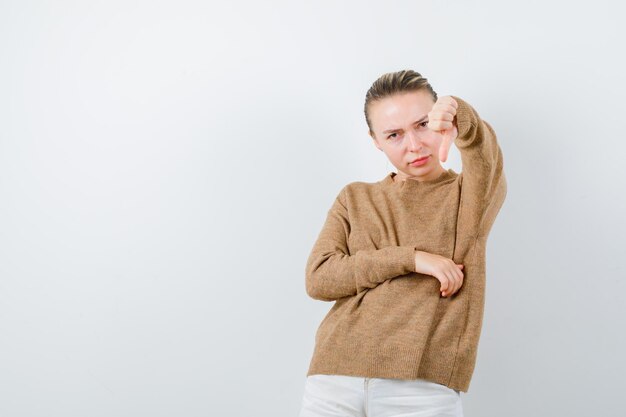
(448, 100)
(444, 148)
(434, 125)
(456, 281)
(445, 124)
(459, 280)
(451, 284)
(446, 113)
(439, 125)
(459, 272)
(452, 274)
(444, 283)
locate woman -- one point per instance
(403, 259)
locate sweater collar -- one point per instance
(410, 185)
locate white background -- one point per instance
(166, 166)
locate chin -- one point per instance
(421, 170)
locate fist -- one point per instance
(442, 119)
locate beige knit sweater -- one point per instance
(387, 320)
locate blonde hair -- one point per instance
(394, 83)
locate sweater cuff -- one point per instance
(410, 258)
(464, 118)
(405, 256)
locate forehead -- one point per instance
(400, 110)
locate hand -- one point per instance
(442, 119)
(442, 268)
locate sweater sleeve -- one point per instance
(332, 272)
(483, 183)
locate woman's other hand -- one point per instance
(442, 268)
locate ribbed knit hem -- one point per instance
(387, 361)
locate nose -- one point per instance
(415, 141)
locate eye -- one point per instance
(424, 124)
(391, 135)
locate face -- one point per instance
(399, 125)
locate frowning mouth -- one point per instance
(420, 161)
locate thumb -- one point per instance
(445, 145)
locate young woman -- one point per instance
(403, 259)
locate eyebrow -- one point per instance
(419, 121)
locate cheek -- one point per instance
(395, 154)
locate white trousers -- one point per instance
(350, 396)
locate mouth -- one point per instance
(419, 159)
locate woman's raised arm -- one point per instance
(483, 183)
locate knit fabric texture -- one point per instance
(387, 320)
